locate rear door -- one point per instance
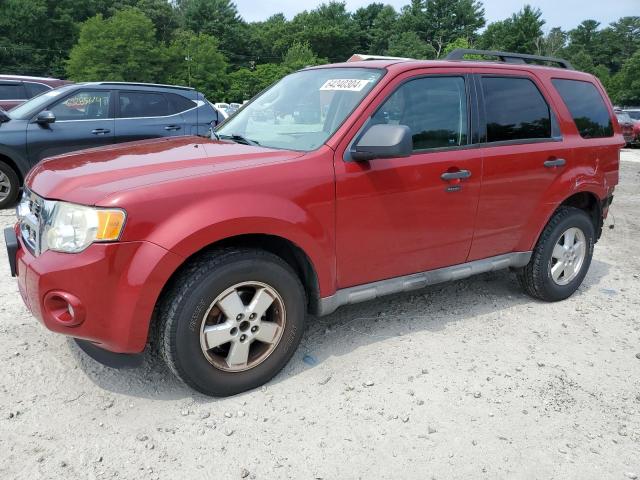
(145, 114)
(84, 119)
(524, 153)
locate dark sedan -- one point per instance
(17, 89)
(90, 115)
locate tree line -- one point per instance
(207, 44)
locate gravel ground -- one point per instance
(464, 380)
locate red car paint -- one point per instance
(357, 222)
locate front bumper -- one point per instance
(112, 290)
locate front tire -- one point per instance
(561, 258)
(232, 320)
(9, 185)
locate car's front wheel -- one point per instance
(562, 256)
(9, 185)
(232, 320)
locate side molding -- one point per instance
(369, 291)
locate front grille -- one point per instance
(32, 211)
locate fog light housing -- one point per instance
(64, 309)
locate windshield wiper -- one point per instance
(239, 139)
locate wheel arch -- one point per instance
(9, 161)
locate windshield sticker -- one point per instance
(344, 84)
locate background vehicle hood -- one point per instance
(89, 176)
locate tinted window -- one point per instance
(514, 109)
(434, 108)
(178, 103)
(12, 91)
(587, 107)
(83, 106)
(34, 89)
(635, 114)
(143, 104)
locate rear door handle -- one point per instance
(172, 127)
(556, 162)
(100, 131)
(457, 175)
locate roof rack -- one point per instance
(140, 84)
(507, 57)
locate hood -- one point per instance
(88, 176)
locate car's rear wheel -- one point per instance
(561, 258)
(9, 185)
(232, 320)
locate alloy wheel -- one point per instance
(568, 256)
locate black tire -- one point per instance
(535, 278)
(11, 196)
(193, 291)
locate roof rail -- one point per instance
(141, 84)
(507, 57)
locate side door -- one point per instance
(145, 114)
(397, 216)
(523, 154)
(83, 119)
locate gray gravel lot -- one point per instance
(469, 380)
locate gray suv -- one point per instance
(91, 115)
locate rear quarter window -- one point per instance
(587, 107)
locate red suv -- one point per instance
(17, 89)
(339, 184)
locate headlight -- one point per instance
(71, 228)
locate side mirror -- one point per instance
(45, 117)
(383, 141)
(3, 116)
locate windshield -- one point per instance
(29, 108)
(302, 110)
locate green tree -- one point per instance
(520, 33)
(194, 60)
(626, 83)
(300, 56)
(328, 29)
(374, 23)
(220, 19)
(120, 48)
(439, 22)
(246, 83)
(270, 39)
(408, 44)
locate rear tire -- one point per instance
(214, 300)
(561, 258)
(9, 186)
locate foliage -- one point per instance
(207, 44)
(119, 48)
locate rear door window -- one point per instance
(143, 104)
(178, 103)
(34, 89)
(12, 91)
(587, 107)
(515, 110)
(434, 108)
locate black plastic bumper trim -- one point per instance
(11, 241)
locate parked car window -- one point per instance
(34, 89)
(434, 108)
(143, 104)
(635, 114)
(178, 103)
(515, 110)
(12, 91)
(587, 107)
(624, 118)
(85, 105)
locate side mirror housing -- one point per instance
(383, 141)
(45, 117)
(3, 116)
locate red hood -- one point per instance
(89, 176)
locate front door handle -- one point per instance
(100, 131)
(457, 175)
(556, 162)
(172, 127)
